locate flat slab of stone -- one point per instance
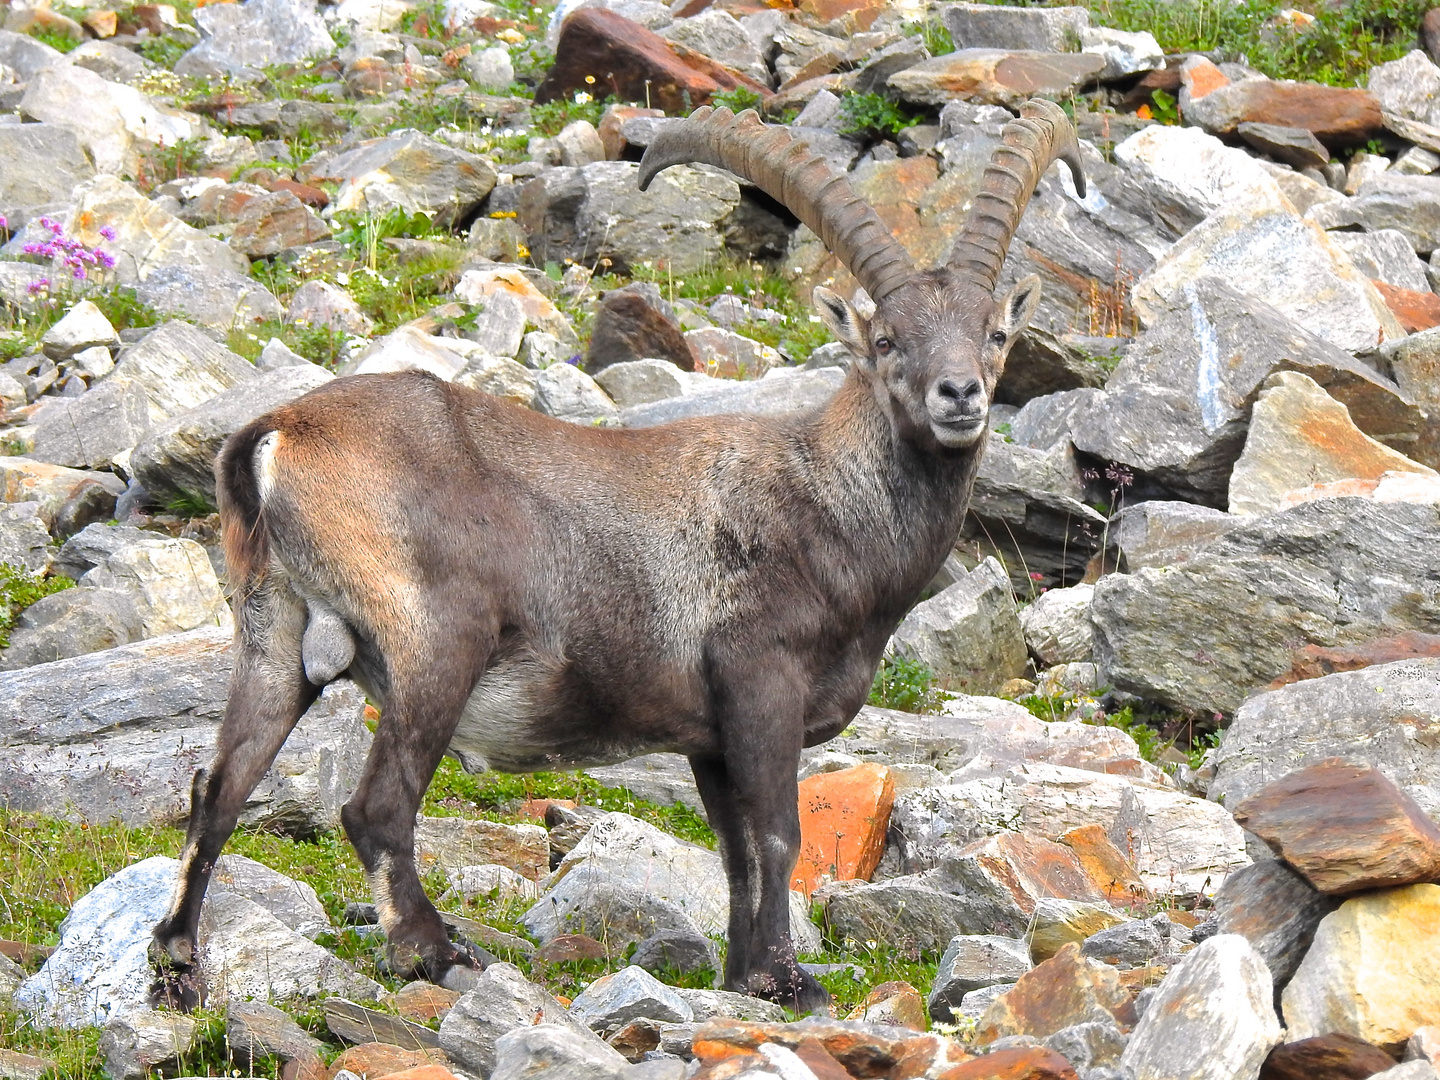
(1276, 910)
(995, 76)
(1345, 827)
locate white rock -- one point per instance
(179, 367)
(293, 902)
(1409, 87)
(137, 1037)
(83, 326)
(637, 382)
(1384, 255)
(1057, 625)
(102, 961)
(501, 376)
(613, 1000)
(375, 15)
(1124, 52)
(1212, 1019)
(490, 69)
(629, 852)
(556, 1052)
(173, 582)
(407, 349)
(504, 883)
(501, 1001)
(567, 393)
(255, 34)
(1194, 169)
(1269, 252)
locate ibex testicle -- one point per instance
(530, 594)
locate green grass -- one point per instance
(874, 116)
(907, 685)
(18, 590)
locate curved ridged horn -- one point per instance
(787, 170)
(1028, 146)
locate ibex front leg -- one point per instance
(752, 798)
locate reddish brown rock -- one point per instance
(1327, 1057)
(857, 14)
(635, 64)
(1415, 310)
(995, 76)
(1026, 1063)
(637, 1038)
(628, 328)
(221, 203)
(1066, 989)
(1430, 33)
(1335, 115)
(570, 948)
(1106, 866)
(927, 1055)
(611, 123)
(102, 24)
(1022, 868)
(1315, 661)
(861, 1050)
(424, 1072)
(819, 1062)
(271, 223)
(423, 1001)
(897, 1004)
(538, 809)
(843, 818)
(374, 1060)
(306, 193)
(1345, 828)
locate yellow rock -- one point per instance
(1371, 971)
(1059, 922)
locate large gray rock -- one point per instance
(1213, 1018)
(412, 171)
(1178, 406)
(1057, 625)
(969, 634)
(217, 298)
(1409, 204)
(1189, 173)
(25, 55)
(985, 26)
(92, 430)
(1384, 255)
(674, 222)
(178, 457)
(1131, 944)
(1205, 634)
(1276, 910)
(293, 902)
(24, 539)
(114, 123)
(781, 392)
(140, 585)
(137, 1037)
(44, 162)
(147, 236)
(1263, 246)
(1387, 716)
(1027, 507)
(178, 367)
(973, 962)
(718, 34)
(1163, 533)
(921, 912)
(550, 1051)
(117, 736)
(612, 1001)
(501, 1001)
(102, 962)
(255, 35)
(567, 393)
(1093, 1045)
(633, 856)
(60, 493)
(1409, 87)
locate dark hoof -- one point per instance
(407, 962)
(793, 988)
(176, 986)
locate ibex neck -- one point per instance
(900, 506)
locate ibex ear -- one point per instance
(848, 325)
(1014, 312)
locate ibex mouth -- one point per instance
(957, 431)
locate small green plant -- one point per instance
(164, 51)
(874, 115)
(908, 685)
(1164, 108)
(191, 504)
(934, 34)
(552, 117)
(18, 590)
(737, 100)
(122, 307)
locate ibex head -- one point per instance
(935, 344)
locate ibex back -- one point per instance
(530, 594)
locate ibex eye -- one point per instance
(998, 337)
(883, 345)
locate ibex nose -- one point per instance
(965, 396)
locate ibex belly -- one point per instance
(510, 723)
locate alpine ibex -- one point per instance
(530, 594)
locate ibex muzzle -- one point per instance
(530, 594)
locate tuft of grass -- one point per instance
(907, 685)
(737, 100)
(18, 590)
(552, 117)
(874, 115)
(191, 504)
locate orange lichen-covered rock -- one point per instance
(1416, 310)
(1067, 989)
(1024, 1063)
(895, 1003)
(843, 818)
(1106, 866)
(374, 1060)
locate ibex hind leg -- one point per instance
(268, 695)
(428, 687)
